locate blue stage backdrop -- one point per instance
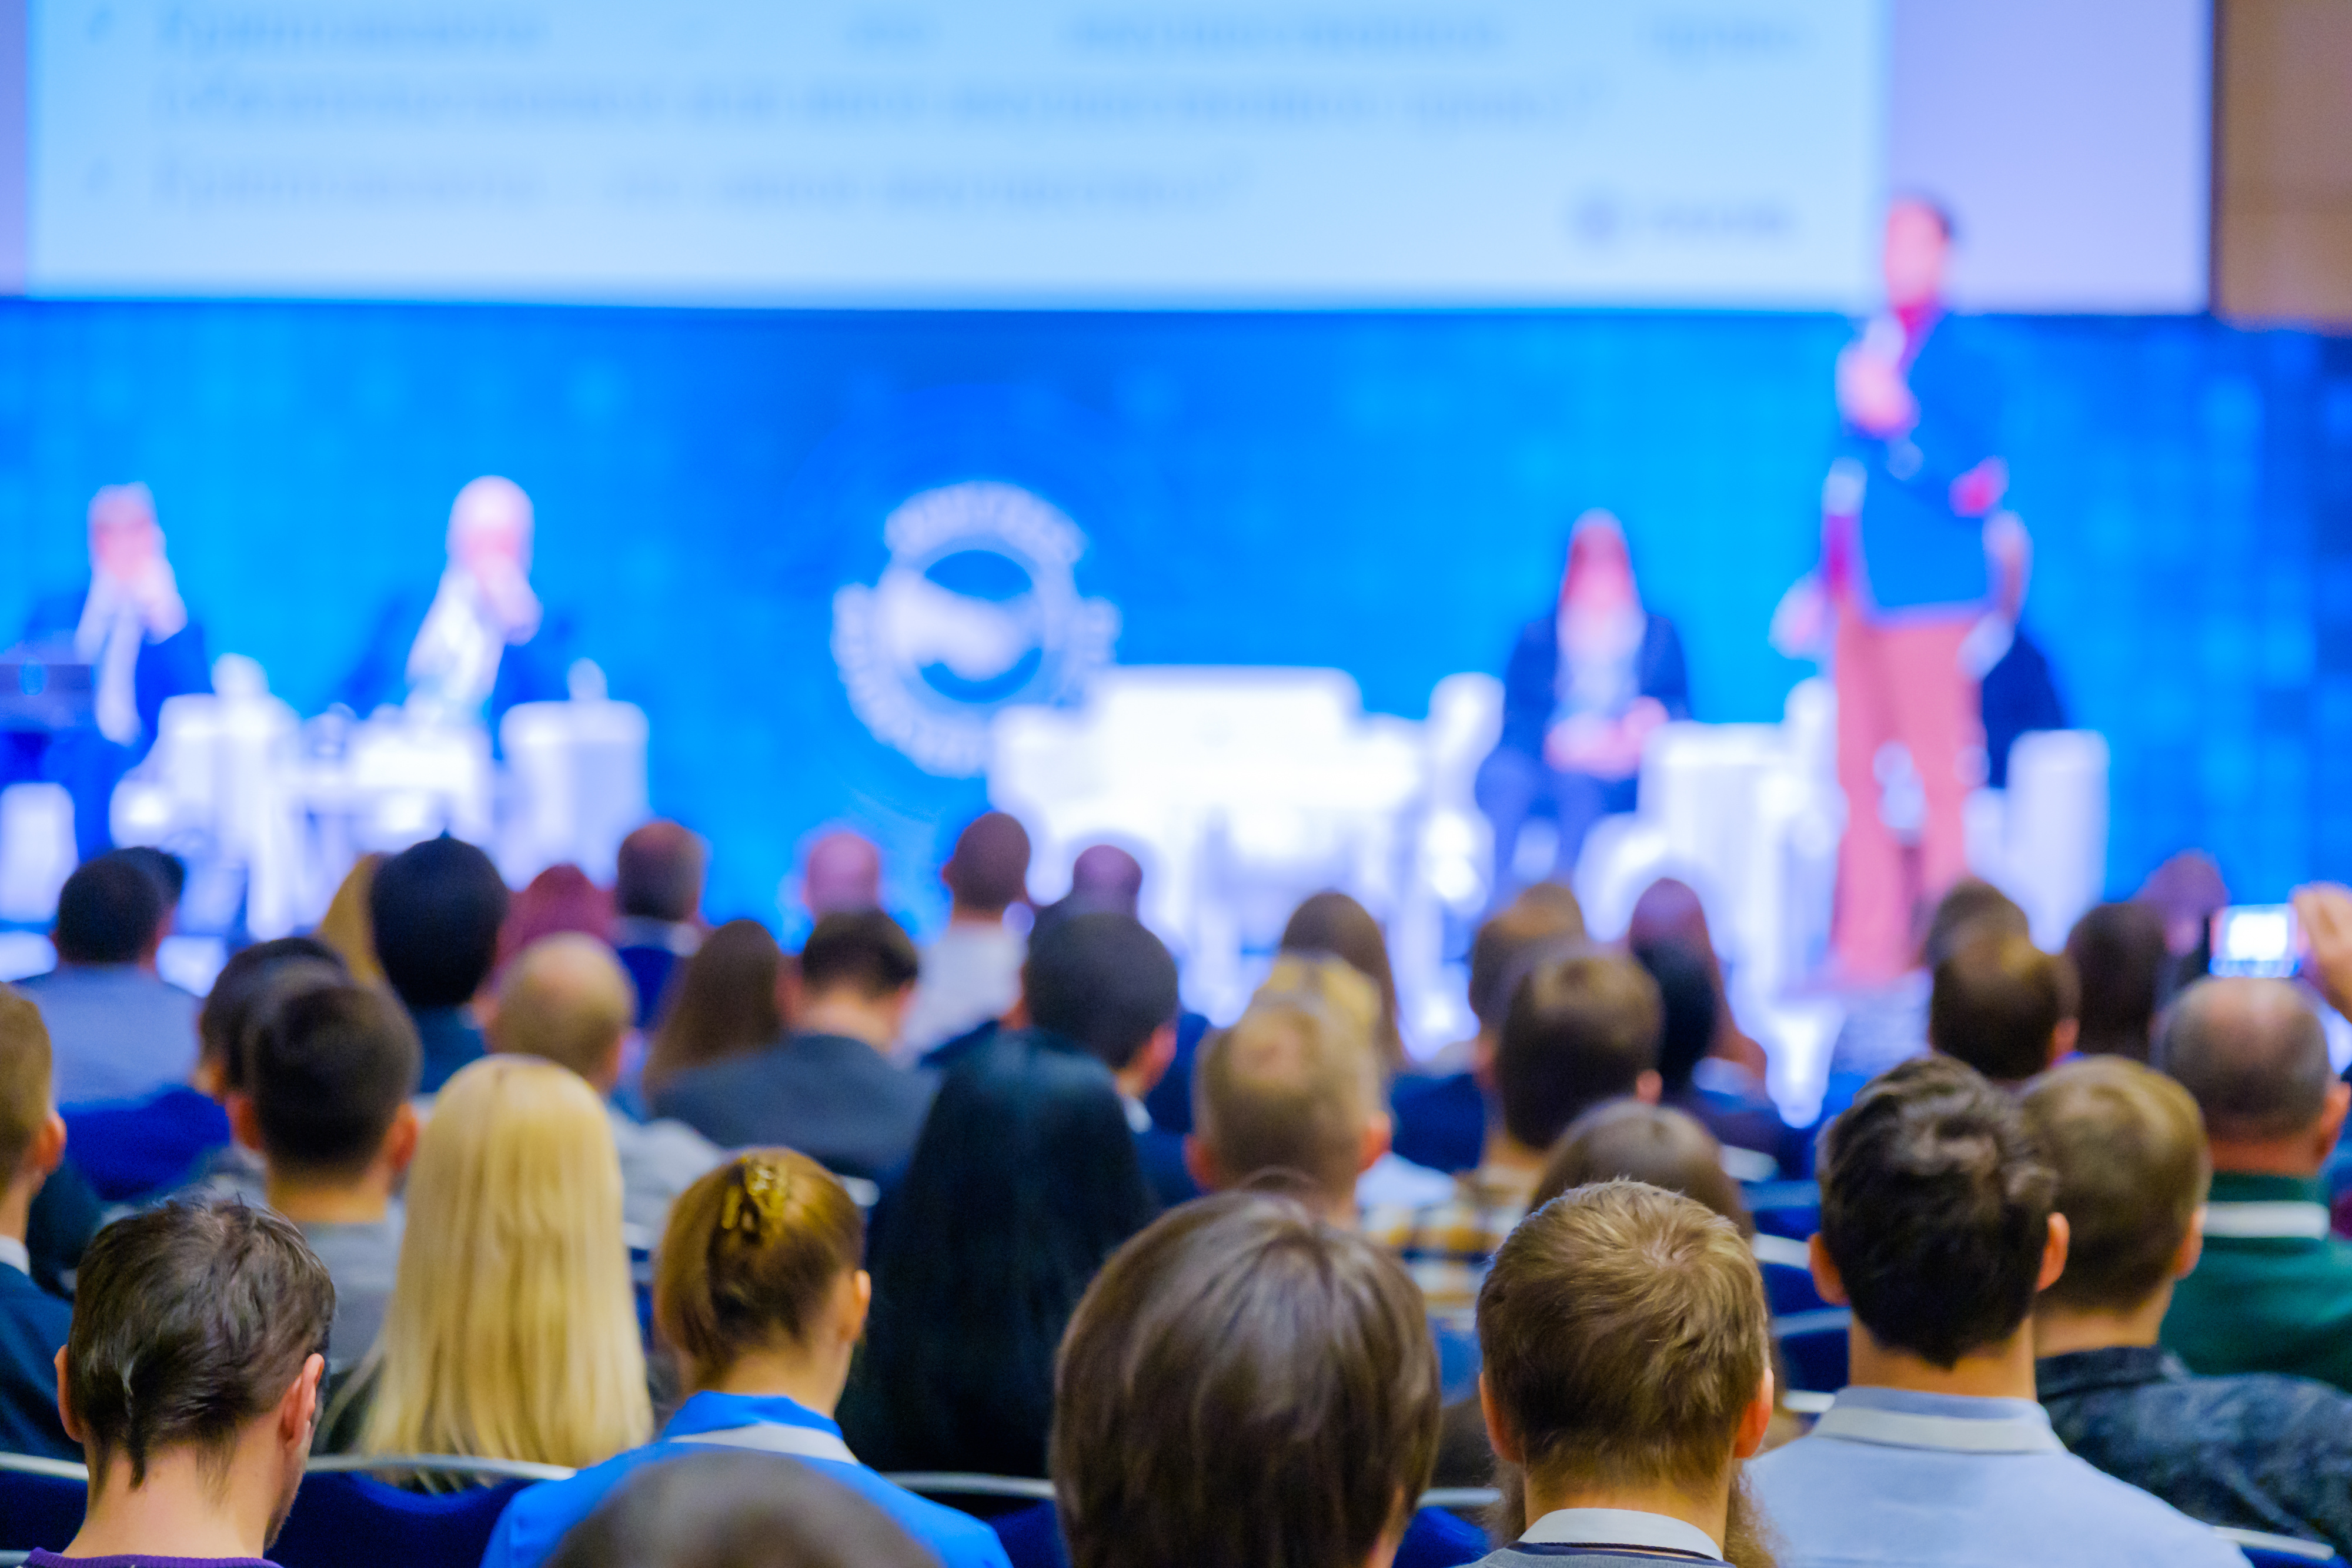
(1388, 494)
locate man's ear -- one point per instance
(1199, 1163)
(1377, 1133)
(2331, 1118)
(48, 1146)
(1757, 1419)
(400, 1138)
(1505, 1442)
(2054, 1253)
(1152, 1063)
(1482, 1062)
(2062, 1039)
(2193, 1246)
(66, 1416)
(855, 1301)
(1650, 1087)
(244, 1125)
(1017, 1015)
(1827, 1283)
(297, 1409)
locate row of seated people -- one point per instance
(1016, 1188)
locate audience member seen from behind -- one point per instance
(345, 927)
(2120, 962)
(1937, 1228)
(329, 1070)
(2256, 1451)
(1025, 1178)
(840, 874)
(1440, 1121)
(727, 1000)
(828, 1087)
(1292, 1091)
(192, 1382)
(566, 999)
(1737, 1110)
(118, 1029)
(512, 1332)
(2004, 1007)
(1883, 1027)
(1627, 1380)
(1103, 985)
(33, 1323)
(657, 907)
(972, 972)
(718, 1509)
(1336, 926)
(560, 899)
(1245, 1384)
(1669, 914)
(1580, 1031)
(435, 909)
(1625, 1140)
(760, 1297)
(2273, 1291)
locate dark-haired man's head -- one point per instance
(658, 874)
(191, 1378)
(1243, 1383)
(718, 1509)
(1970, 908)
(989, 873)
(857, 973)
(32, 1134)
(1293, 1090)
(169, 872)
(2129, 1149)
(1626, 1344)
(435, 909)
(566, 998)
(2252, 1055)
(111, 910)
(2120, 962)
(1581, 1030)
(1936, 1224)
(329, 1070)
(249, 975)
(2003, 1006)
(1103, 982)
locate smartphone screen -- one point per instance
(2256, 939)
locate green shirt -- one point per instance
(2273, 1289)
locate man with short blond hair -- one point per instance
(1628, 1376)
(566, 998)
(2257, 1452)
(1293, 1087)
(33, 1323)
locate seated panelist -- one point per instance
(130, 625)
(1585, 686)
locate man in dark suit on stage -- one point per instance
(130, 625)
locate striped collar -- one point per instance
(1620, 1527)
(2290, 1221)
(1900, 1419)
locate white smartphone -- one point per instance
(2256, 939)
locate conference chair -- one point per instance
(1813, 1346)
(1788, 1275)
(41, 1502)
(2264, 1549)
(1786, 1209)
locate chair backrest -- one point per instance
(337, 1508)
(1788, 1276)
(1813, 1344)
(40, 1502)
(2264, 1549)
(1786, 1209)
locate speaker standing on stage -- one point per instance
(1904, 560)
(1585, 686)
(132, 628)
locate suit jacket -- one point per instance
(834, 1098)
(33, 1327)
(532, 671)
(1916, 552)
(1531, 680)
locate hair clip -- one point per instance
(757, 1202)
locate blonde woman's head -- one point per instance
(512, 1332)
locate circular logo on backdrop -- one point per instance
(977, 611)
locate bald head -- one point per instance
(566, 997)
(1105, 876)
(989, 872)
(2252, 1055)
(842, 876)
(660, 872)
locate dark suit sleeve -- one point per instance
(1665, 677)
(381, 673)
(174, 668)
(1529, 682)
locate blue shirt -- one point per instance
(116, 1032)
(538, 1518)
(1929, 1480)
